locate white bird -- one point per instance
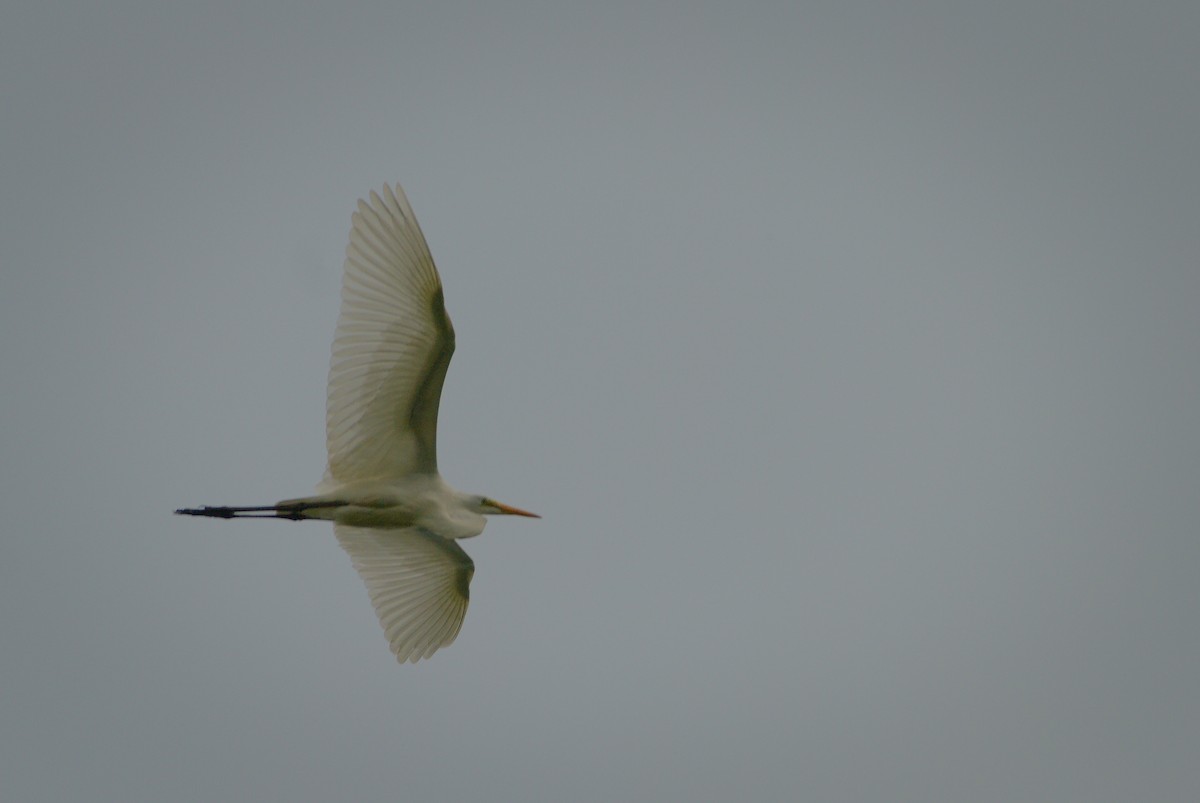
(390, 508)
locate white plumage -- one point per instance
(392, 512)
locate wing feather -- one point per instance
(418, 583)
(391, 349)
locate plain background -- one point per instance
(849, 350)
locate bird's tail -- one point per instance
(293, 510)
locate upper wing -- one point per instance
(417, 581)
(391, 349)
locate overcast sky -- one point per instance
(849, 350)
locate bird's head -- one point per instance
(493, 508)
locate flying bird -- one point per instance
(391, 510)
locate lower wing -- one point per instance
(418, 582)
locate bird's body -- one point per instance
(418, 500)
(391, 510)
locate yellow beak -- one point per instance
(513, 511)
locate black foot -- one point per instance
(227, 512)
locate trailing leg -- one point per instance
(294, 511)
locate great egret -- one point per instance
(390, 509)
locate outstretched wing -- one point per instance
(418, 582)
(391, 349)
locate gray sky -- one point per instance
(849, 351)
